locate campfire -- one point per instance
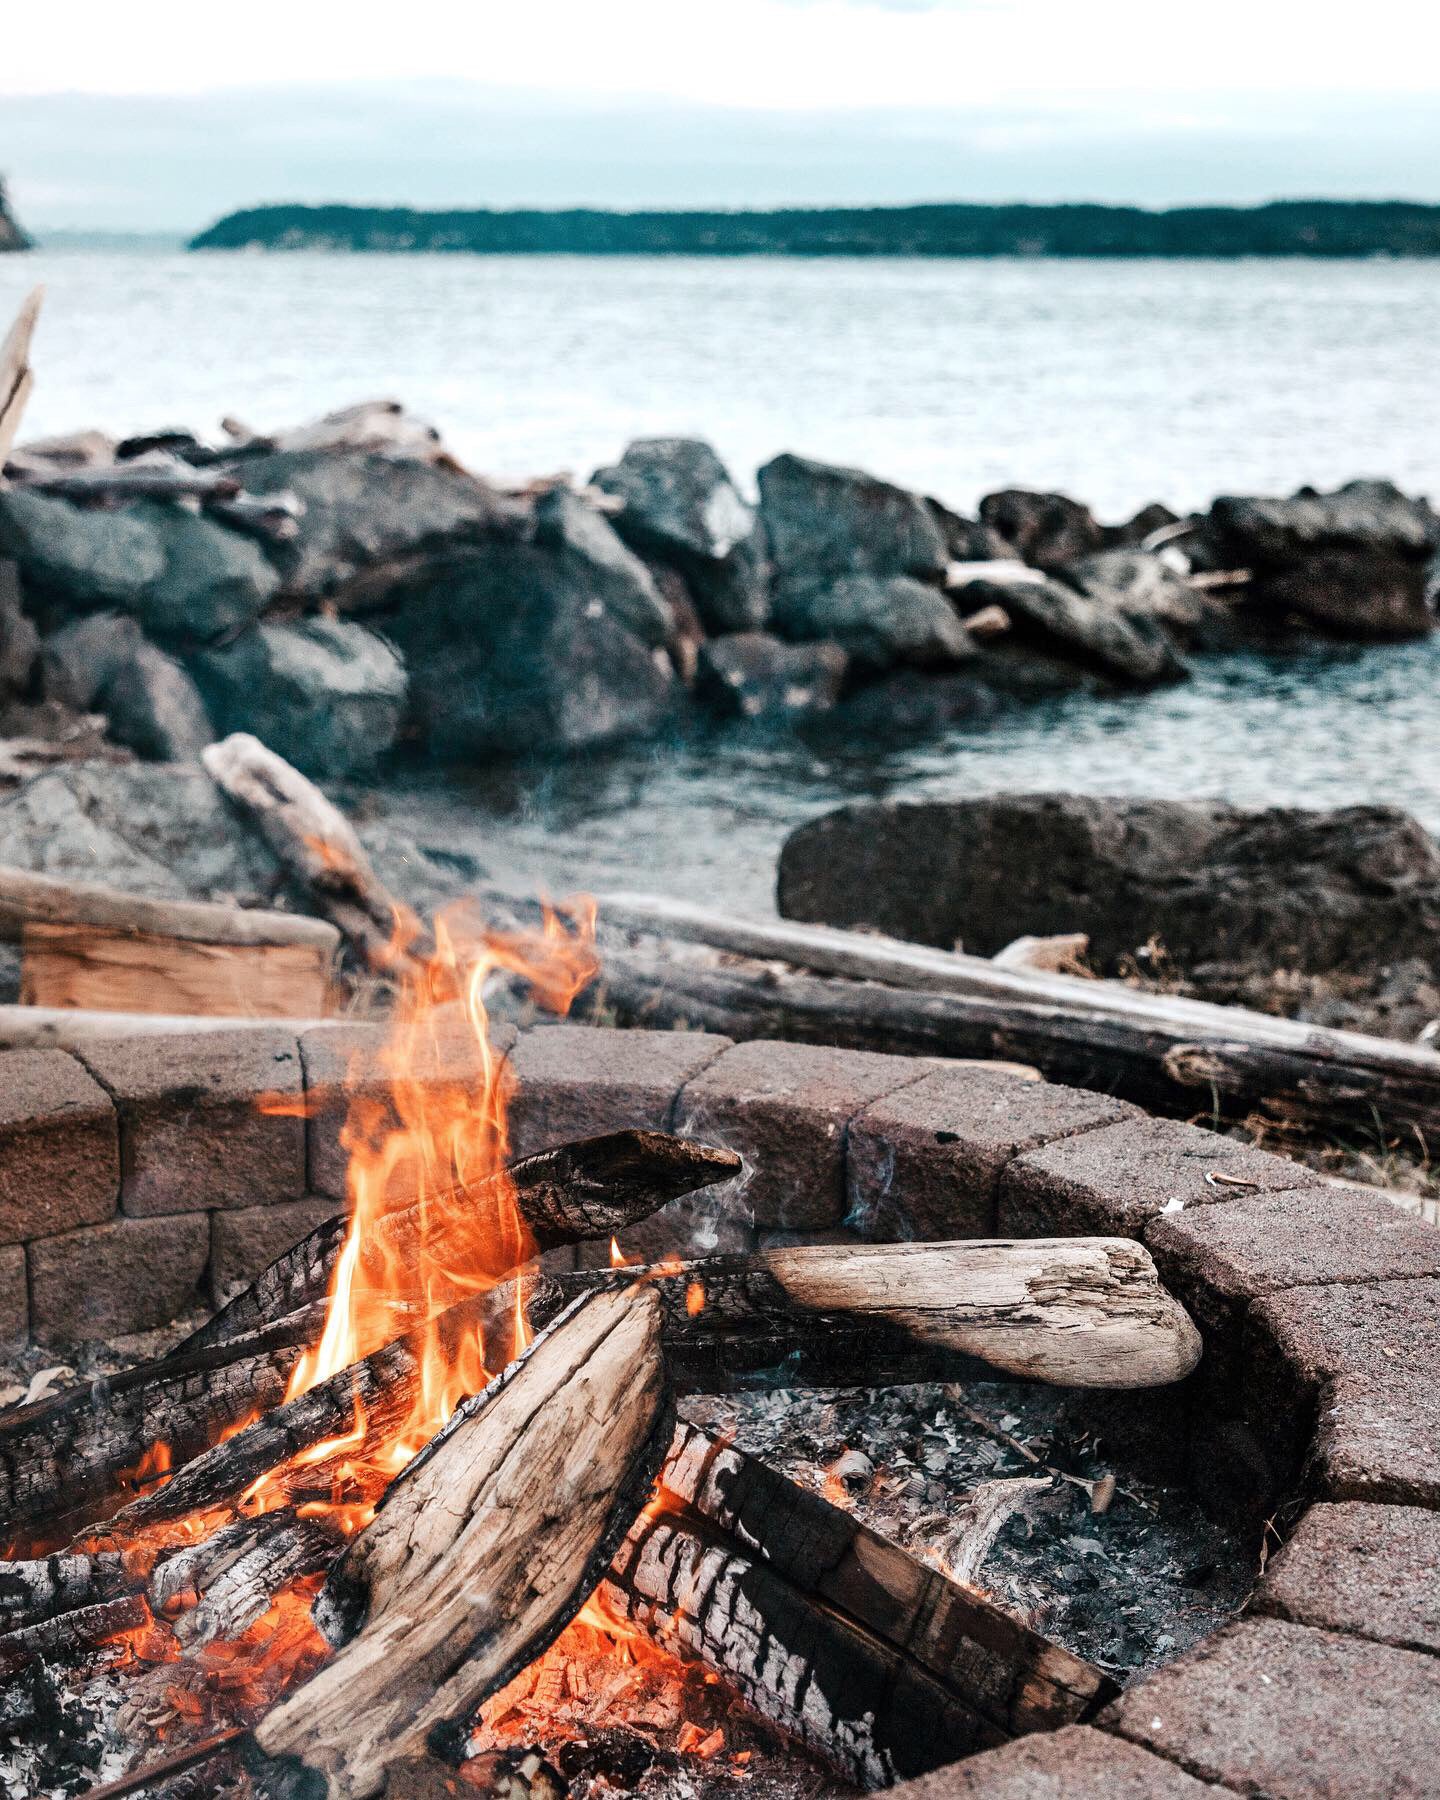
(415, 1510)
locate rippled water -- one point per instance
(706, 818)
(1120, 382)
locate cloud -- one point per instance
(175, 163)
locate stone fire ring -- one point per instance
(138, 1179)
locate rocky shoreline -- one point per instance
(347, 591)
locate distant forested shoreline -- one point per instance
(1314, 228)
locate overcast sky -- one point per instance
(163, 115)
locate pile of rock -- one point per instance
(347, 587)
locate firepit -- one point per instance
(896, 1522)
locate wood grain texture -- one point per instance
(96, 966)
(482, 1551)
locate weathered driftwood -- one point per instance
(482, 1551)
(273, 517)
(316, 843)
(873, 1713)
(1008, 1674)
(63, 1460)
(86, 945)
(138, 479)
(1158, 1049)
(1076, 1312)
(29, 899)
(590, 1189)
(16, 377)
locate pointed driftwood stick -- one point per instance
(482, 1551)
(591, 1189)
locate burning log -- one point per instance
(1077, 1312)
(33, 1591)
(72, 1634)
(65, 1458)
(872, 1713)
(481, 1552)
(227, 1581)
(1154, 1048)
(591, 1189)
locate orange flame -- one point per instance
(433, 1216)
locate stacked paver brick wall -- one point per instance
(136, 1178)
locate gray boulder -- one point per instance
(1372, 516)
(82, 557)
(147, 828)
(80, 660)
(682, 507)
(824, 523)
(751, 675)
(1282, 889)
(512, 651)
(364, 514)
(155, 709)
(587, 549)
(19, 640)
(1351, 594)
(327, 694)
(103, 663)
(185, 578)
(1138, 586)
(1045, 530)
(969, 540)
(881, 622)
(1093, 633)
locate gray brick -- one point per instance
(345, 1069)
(576, 1081)
(109, 1280)
(1278, 1710)
(244, 1242)
(1368, 1571)
(207, 1119)
(14, 1295)
(785, 1108)
(1077, 1763)
(925, 1162)
(59, 1146)
(1115, 1180)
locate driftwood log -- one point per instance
(482, 1551)
(1084, 1312)
(90, 946)
(1076, 1312)
(16, 376)
(1169, 1053)
(593, 1188)
(317, 844)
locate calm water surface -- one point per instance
(1119, 382)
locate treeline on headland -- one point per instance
(1319, 228)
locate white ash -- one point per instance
(1098, 1551)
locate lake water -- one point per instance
(1118, 382)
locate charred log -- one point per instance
(481, 1552)
(594, 1188)
(997, 1666)
(64, 1460)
